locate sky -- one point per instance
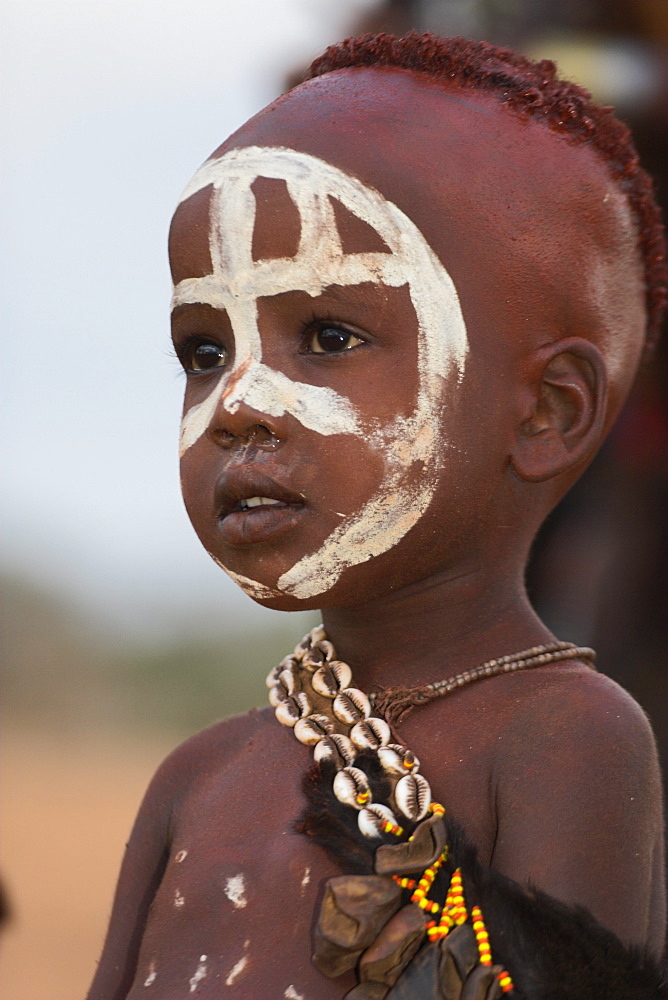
(107, 110)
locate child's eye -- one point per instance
(203, 356)
(331, 340)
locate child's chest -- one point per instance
(234, 912)
(235, 909)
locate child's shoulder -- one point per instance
(578, 748)
(220, 746)
(577, 792)
(228, 735)
(578, 704)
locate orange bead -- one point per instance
(505, 982)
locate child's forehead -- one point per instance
(278, 223)
(528, 225)
(459, 165)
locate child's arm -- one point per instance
(144, 863)
(579, 806)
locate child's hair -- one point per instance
(533, 89)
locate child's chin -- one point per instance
(276, 600)
(285, 602)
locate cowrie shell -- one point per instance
(289, 678)
(287, 663)
(370, 734)
(312, 729)
(272, 676)
(317, 634)
(392, 758)
(371, 818)
(292, 709)
(320, 653)
(349, 784)
(287, 684)
(413, 796)
(351, 705)
(331, 677)
(335, 748)
(277, 694)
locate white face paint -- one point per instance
(236, 283)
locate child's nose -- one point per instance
(243, 427)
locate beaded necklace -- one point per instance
(313, 694)
(394, 703)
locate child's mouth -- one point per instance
(252, 507)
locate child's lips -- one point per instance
(253, 507)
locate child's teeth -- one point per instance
(258, 501)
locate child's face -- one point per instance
(312, 320)
(328, 360)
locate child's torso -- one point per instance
(235, 909)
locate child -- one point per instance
(410, 299)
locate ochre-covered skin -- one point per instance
(552, 772)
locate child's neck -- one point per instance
(434, 629)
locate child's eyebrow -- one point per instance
(341, 293)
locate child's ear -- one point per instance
(565, 404)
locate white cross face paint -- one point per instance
(237, 282)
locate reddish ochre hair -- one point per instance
(529, 89)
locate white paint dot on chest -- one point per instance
(306, 878)
(180, 856)
(152, 975)
(239, 968)
(179, 898)
(292, 994)
(199, 975)
(235, 890)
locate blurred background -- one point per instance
(120, 636)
